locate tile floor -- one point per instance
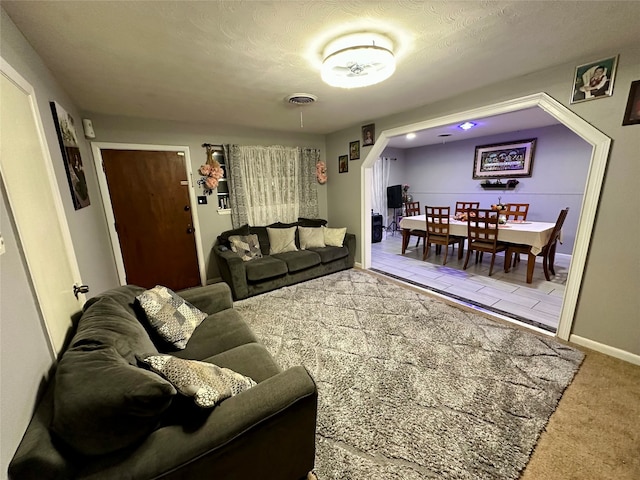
(537, 304)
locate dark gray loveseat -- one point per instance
(248, 278)
(116, 420)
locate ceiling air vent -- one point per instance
(301, 99)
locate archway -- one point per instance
(600, 153)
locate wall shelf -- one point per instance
(497, 186)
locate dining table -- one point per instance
(534, 234)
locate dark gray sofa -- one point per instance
(267, 431)
(279, 270)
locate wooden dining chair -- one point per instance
(411, 209)
(516, 211)
(482, 235)
(437, 219)
(548, 252)
(462, 207)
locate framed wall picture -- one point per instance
(369, 135)
(354, 150)
(632, 112)
(594, 80)
(343, 164)
(513, 159)
(68, 139)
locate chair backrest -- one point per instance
(412, 209)
(516, 211)
(437, 220)
(462, 207)
(482, 226)
(555, 233)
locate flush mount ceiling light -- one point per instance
(358, 60)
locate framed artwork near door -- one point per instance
(354, 150)
(632, 112)
(343, 164)
(68, 139)
(594, 80)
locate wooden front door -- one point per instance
(149, 193)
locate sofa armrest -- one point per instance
(37, 456)
(210, 299)
(232, 271)
(350, 243)
(267, 431)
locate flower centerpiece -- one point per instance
(405, 193)
(211, 172)
(499, 206)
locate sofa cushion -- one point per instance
(102, 403)
(170, 315)
(219, 332)
(247, 246)
(311, 237)
(263, 238)
(223, 238)
(299, 260)
(207, 383)
(334, 237)
(109, 320)
(265, 268)
(311, 222)
(329, 254)
(282, 239)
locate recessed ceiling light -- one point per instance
(467, 125)
(410, 136)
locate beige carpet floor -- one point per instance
(594, 434)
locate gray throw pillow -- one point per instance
(247, 246)
(171, 316)
(207, 383)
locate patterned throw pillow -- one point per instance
(247, 246)
(282, 240)
(311, 237)
(207, 383)
(334, 237)
(172, 317)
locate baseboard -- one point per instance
(357, 265)
(606, 349)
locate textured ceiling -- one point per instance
(234, 62)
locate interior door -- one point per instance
(27, 172)
(149, 193)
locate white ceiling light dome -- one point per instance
(358, 60)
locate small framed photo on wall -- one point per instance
(343, 164)
(354, 150)
(369, 135)
(594, 80)
(632, 112)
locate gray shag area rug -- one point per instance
(409, 386)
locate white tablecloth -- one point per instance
(535, 234)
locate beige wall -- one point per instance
(608, 310)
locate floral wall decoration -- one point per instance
(321, 172)
(211, 171)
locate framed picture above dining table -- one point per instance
(512, 159)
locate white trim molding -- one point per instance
(606, 349)
(96, 148)
(599, 157)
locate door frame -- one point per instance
(599, 157)
(49, 179)
(97, 148)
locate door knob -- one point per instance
(187, 208)
(190, 230)
(80, 289)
